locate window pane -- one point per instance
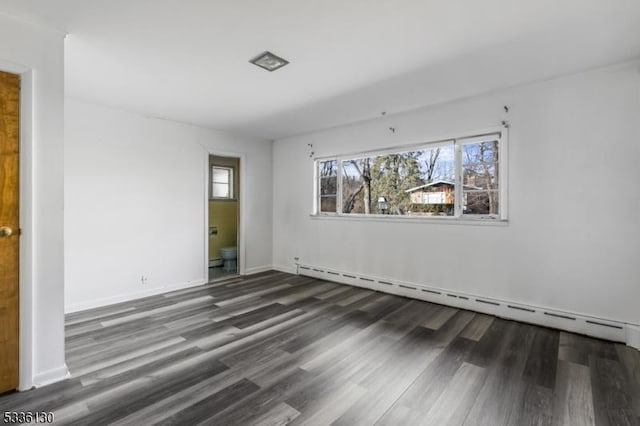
(221, 190)
(416, 183)
(328, 183)
(480, 176)
(328, 204)
(435, 194)
(393, 176)
(437, 164)
(328, 176)
(328, 168)
(480, 152)
(221, 182)
(480, 165)
(481, 202)
(355, 174)
(221, 175)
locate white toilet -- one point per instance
(229, 256)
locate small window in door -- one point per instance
(222, 182)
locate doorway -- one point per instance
(224, 213)
(9, 229)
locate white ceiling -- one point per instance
(187, 60)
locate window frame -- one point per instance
(317, 180)
(232, 177)
(499, 134)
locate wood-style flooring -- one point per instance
(275, 349)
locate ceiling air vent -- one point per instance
(269, 61)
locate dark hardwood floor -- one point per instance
(275, 349)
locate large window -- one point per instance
(453, 178)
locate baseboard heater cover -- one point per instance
(602, 328)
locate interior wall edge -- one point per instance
(51, 376)
(27, 220)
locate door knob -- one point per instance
(5, 231)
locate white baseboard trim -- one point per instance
(287, 269)
(97, 303)
(257, 269)
(633, 336)
(603, 328)
(51, 376)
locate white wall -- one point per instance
(135, 203)
(573, 236)
(37, 54)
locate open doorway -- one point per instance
(224, 211)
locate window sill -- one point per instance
(442, 220)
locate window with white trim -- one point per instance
(457, 178)
(222, 182)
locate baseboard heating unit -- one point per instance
(569, 321)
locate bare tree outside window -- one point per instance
(480, 177)
(356, 186)
(328, 174)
